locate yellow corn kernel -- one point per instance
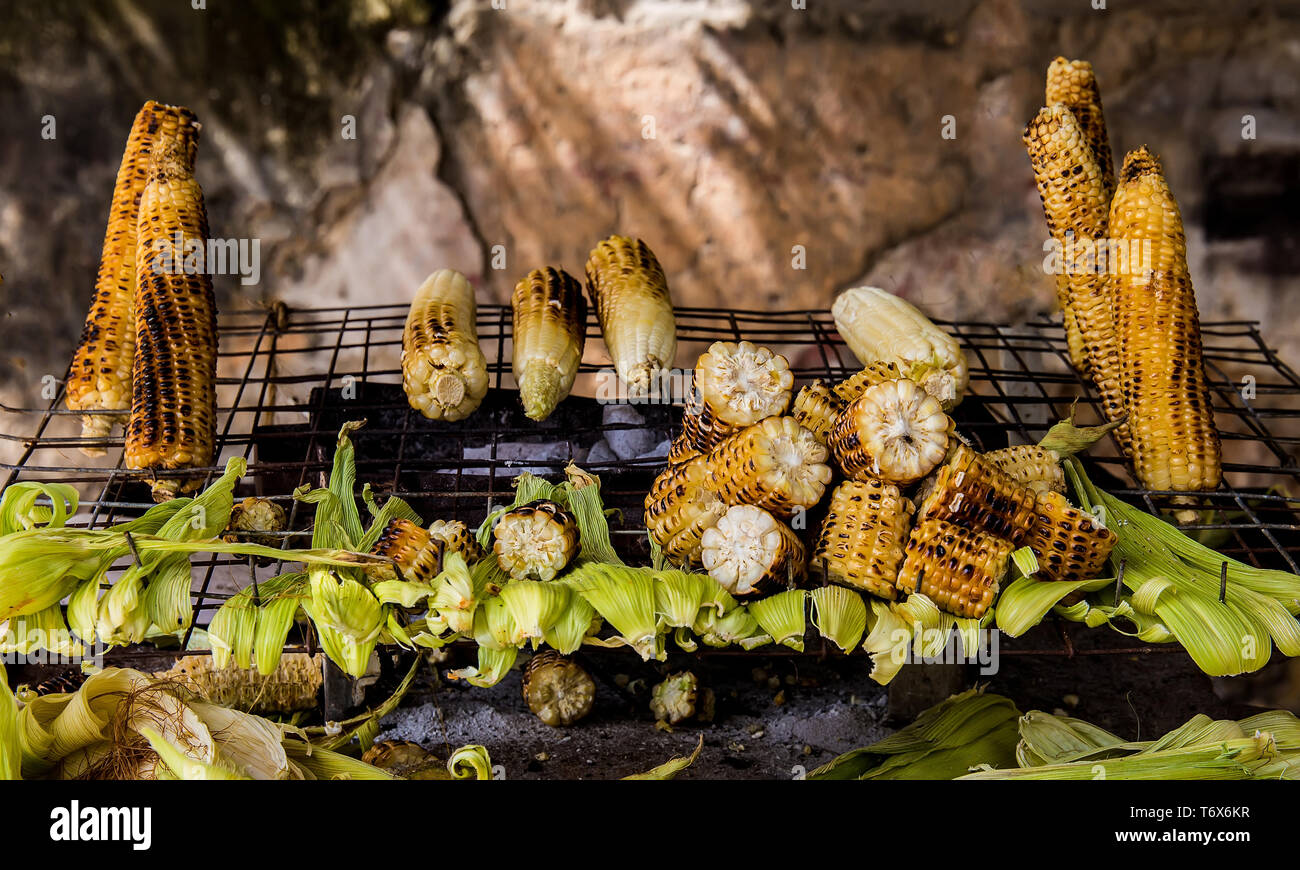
(872, 373)
(775, 464)
(862, 539)
(681, 505)
(535, 541)
(970, 491)
(958, 569)
(1068, 542)
(1031, 466)
(1073, 84)
(456, 537)
(817, 407)
(894, 430)
(415, 553)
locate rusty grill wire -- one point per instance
(287, 378)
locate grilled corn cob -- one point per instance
(776, 464)
(862, 538)
(535, 541)
(1073, 83)
(1031, 466)
(257, 521)
(100, 377)
(736, 385)
(881, 327)
(1068, 542)
(173, 381)
(415, 553)
(894, 431)
(444, 373)
(630, 294)
(958, 569)
(680, 449)
(749, 551)
(681, 505)
(872, 373)
(550, 329)
(557, 689)
(817, 407)
(1175, 442)
(973, 492)
(456, 537)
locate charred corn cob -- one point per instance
(257, 520)
(456, 537)
(881, 327)
(1175, 441)
(1031, 466)
(872, 373)
(535, 541)
(681, 505)
(862, 538)
(1068, 542)
(680, 449)
(630, 293)
(971, 491)
(416, 554)
(749, 551)
(444, 373)
(736, 385)
(1073, 83)
(958, 569)
(817, 407)
(557, 689)
(173, 382)
(550, 330)
(292, 686)
(894, 431)
(776, 464)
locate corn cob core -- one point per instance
(1175, 440)
(292, 686)
(1073, 83)
(535, 541)
(630, 294)
(875, 372)
(970, 491)
(1031, 466)
(415, 553)
(817, 407)
(456, 537)
(862, 538)
(775, 464)
(444, 373)
(1068, 542)
(741, 383)
(894, 430)
(682, 503)
(958, 569)
(750, 551)
(550, 330)
(557, 689)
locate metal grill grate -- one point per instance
(288, 379)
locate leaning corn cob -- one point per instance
(817, 407)
(862, 538)
(630, 293)
(749, 551)
(874, 372)
(100, 377)
(879, 326)
(173, 383)
(444, 373)
(557, 689)
(973, 492)
(1068, 542)
(1073, 83)
(958, 569)
(681, 505)
(1031, 466)
(535, 541)
(415, 553)
(1175, 442)
(550, 329)
(894, 431)
(777, 465)
(456, 537)
(736, 385)
(292, 686)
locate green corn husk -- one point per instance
(11, 748)
(312, 762)
(83, 608)
(899, 629)
(457, 590)
(493, 665)
(625, 598)
(679, 595)
(840, 615)
(670, 768)
(783, 617)
(232, 632)
(470, 761)
(403, 593)
(1227, 759)
(348, 619)
(181, 766)
(19, 510)
(281, 598)
(1047, 739)
(580, 495)
(535, 606)
(1025, 561)
(577, 622)
(43, 630)
(1025, 603)
(122, 617)
(737, 626)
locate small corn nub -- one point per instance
(894, 430)
(958, 569)
(256, 520)
(416, 555)
(681, 505)
(1068, 542)
(972, 492)
(557, 689)
(456, 537)
(749, 551)
(1031, 466)
(535, 541)
(550, 330)
(862, 538)
(630, 294)
(872, 373)
(444, 373)
(736, 385)
(776, 464)
(817, 407)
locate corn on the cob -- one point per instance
(681, 450)
(415, 553)
(862, 538)
(535, 541)
(456, 537)
(682, 503)
(1175, 442)
(736, 385)
(1068, 542)
(292, 686)
(550, 330)
(776, 464)
(894, 430)
(875, 372)
(749, 551)
(973, 492)
(557, 689)
(880, 327)
(100, 377)
(444, 373)
(630, 294)
(173, 382)
(1031, 466)
(1073, 83)
(817, 407)
(958, 569)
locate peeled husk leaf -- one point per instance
(670, 768)
(783, 617)
(493, 665)
(840, 615)
(625, 598)
(679, 595)
(578, 620)
(535, 606)
(19, 510)
(43, 630)
(11, 749)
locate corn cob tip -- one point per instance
(539, 390)
(1138, 163)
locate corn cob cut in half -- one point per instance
(550, 330)
(1175, 441)
(100, 377)
(736, 384)
(557, 689)
(444, 373)
(817, 408)
(456, 537)
(630, 293)
(535, 541)
(682, 503)
(776, 464)
(958, 569)
(1031, 466)
(875, 372)
(416, 554)
(1073, 83)
(972, 492)
(862, 538)
(749, 551)
(701, 429)
(894, 430)
(1068, 542)
(173, 380)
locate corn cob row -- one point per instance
(817, 408)
(749, 551)
(550, 330)
(894, 431)
(1031, 466)
(874, 372)
(100, 377)
(535, 541)
(456, 537)
(416, 554)
(1175, 444)
(173, 382)
(630, 294)
(701, 429)
(444, 373)
(959, 569)
(775, 464)
(970, 491)
(862, 539)
(681, 505)
(1073, 84)
(292, 686)
(1068, 542)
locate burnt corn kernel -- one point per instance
(817, 407)
(959, 569)
(861, 542)
(972, 492)
(1068, 543)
